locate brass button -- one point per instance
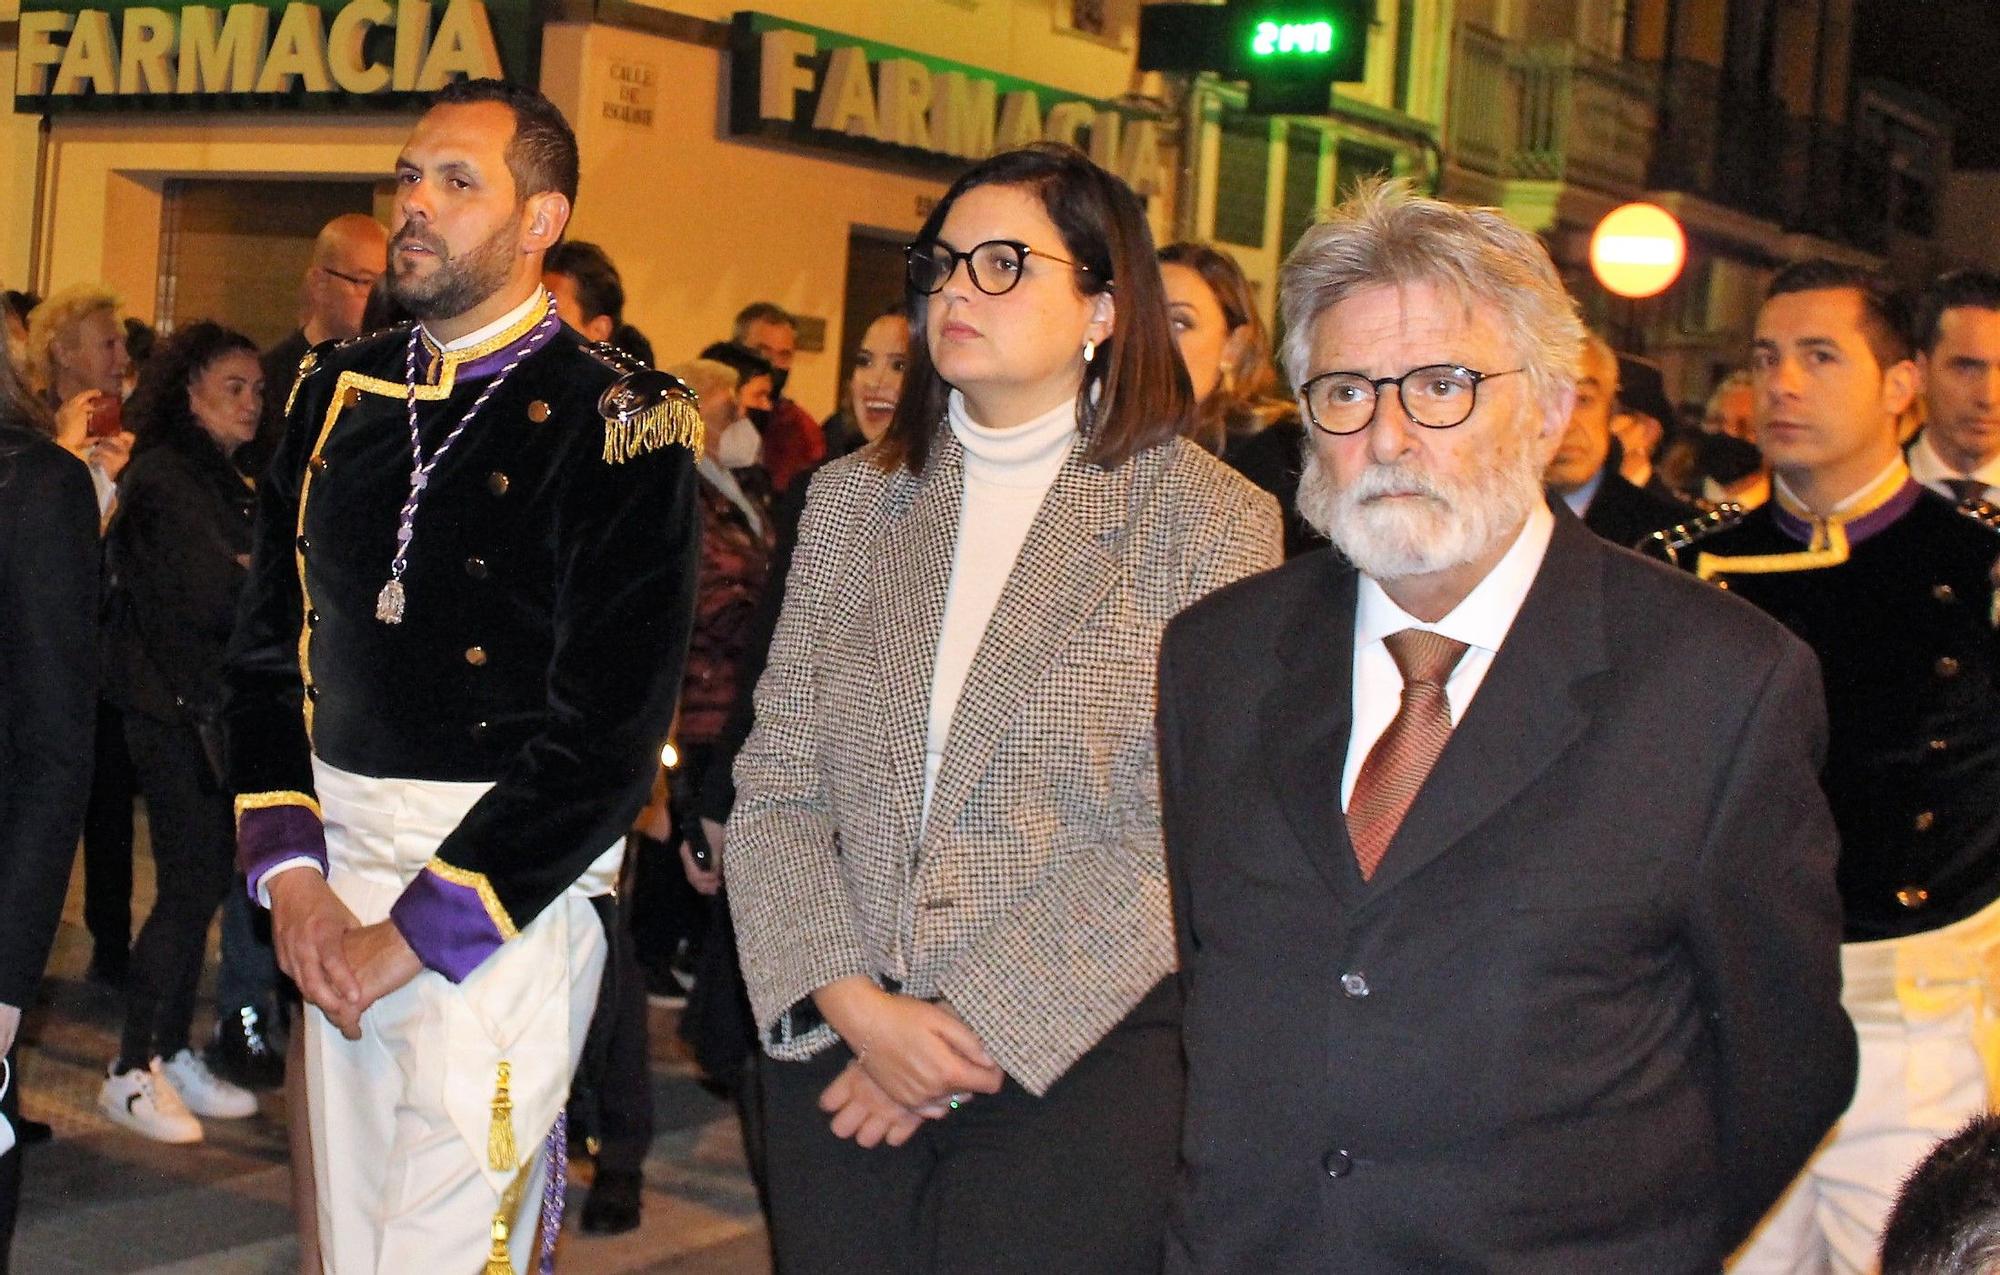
(350, 397)
(304, 543)
(1913, 897)
(1947, 666)
(312, 692)
(496, 482)
(476, 568)
(317, 464)
(1939, 745)
(312, 619)
(1924, 821)
(1722, 584)
(475, 656)
(1943, 593)
(538, 411)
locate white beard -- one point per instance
(1439, 523)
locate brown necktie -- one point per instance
(1403, 757)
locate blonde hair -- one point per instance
(1386, 236)
(54, 322)
(705, 376)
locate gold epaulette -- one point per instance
(1670, 543)
(645, 410)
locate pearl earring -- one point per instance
(1089, 350)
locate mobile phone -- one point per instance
(107, 416)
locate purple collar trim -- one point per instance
(490, 363)
(1858, 529)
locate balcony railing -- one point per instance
(1549, 111)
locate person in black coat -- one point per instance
(1585, 472)
(48, 697)
(177, 554)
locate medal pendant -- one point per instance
(389, 604)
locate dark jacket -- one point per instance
(1272, 457)
(1584, 1018)
(1625, 514)
(177, 553)
(48, 691)
(735, 565)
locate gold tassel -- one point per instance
(675, 421)
(497, 1260)
(501, 1156)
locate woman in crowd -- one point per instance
(944, 862)
(177, 552)
(1241, 416)
(873, 387)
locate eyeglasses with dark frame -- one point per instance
(928, 267)
(358, 281)
(1445, 394)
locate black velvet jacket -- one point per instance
(1904, 631)
(550, 592)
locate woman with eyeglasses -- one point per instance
(1238, 414)
(945, 860)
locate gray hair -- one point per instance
(1384, 235)
(706, 377)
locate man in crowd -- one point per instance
(793, 441)
(1583, 474)
(1958, 352)
(589, 295)
(447, 688)
(348, 256)
(1454, 1001)
(1892, 588)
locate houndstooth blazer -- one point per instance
(1035, 898)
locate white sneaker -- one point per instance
(204, 1092)
(147, 1103)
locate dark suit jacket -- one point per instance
(48, 691)
(1586, 1015)
(1625, 514)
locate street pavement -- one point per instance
(99, 1200)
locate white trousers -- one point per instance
(1926, 1012)
(400, 1119)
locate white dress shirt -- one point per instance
(1930, 469)
(1481, 621)
(1008, 473)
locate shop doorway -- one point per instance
(235, 250)
(874, 284)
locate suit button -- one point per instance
(304, 543)
(1355, 985)
(497, 483)
(1924, 820)
(479, 730)
(1943, 593)
(351, 397)
(317, 464)
(1338, 1164)
(476, 568)
(1722, 585)
(475, 656)
(1947, 666)
(538, 411)
(312, 692)
(1913, 897)
(312, 619)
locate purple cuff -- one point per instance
(448, 917)
(269, 833)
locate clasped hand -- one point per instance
(339, 964)
(912, 1058)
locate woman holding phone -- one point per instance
(944, 860)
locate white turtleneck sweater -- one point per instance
(1008, 472)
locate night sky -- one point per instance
(1949, 49)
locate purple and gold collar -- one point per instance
(1887, 500)
(477, 362)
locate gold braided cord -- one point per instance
(248, 801)
(1834, 552)
(477, 882)
(676, 421)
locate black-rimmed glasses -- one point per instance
(994, 266)
(360, 281)
(1439, 396)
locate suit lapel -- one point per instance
(1526, 714)
(1067, 564)
(906, 602)
(1304, 721)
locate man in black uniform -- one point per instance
(456, 660)
(1892, 586)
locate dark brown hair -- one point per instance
(1885, 316)
(1243, 401)
(541, 156)
(1135, 392)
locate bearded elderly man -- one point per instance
(1461, 995)
(455, 662)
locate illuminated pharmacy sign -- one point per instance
(821, 89)
(337, 54)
